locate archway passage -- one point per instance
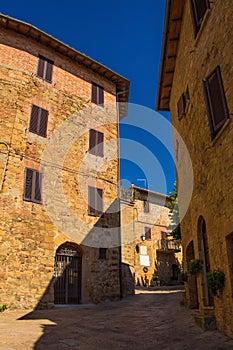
(68, 274)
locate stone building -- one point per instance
(147, 250)
(59, 171)
(195, 85)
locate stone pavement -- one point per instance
(149, 320)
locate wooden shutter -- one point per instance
(198, 10)
(146, 206)
(41, 67)
(91, 201)
(100, 95)
(148, 233)
(49, 70)
(215, 99)
(43, 122)
(34, 119)
(94, 93)
(100, 143)
(99, 201)
(92, 141)
(28, 184)
(37, 189)
(181, 106)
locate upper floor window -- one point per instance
(95, 201)
(103, 253)
(96, 143)
(146, 206)
(38, 121)
(198, 10)
(216, 103)
(32, 186)
(45, 68)
(97, 95)
(147, 233)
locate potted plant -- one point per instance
(194, 267)
(215, 282)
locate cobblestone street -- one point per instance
(147, 321)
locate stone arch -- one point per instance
(192, 281)
(68, 274)
(203, 248)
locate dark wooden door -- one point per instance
(68, 268)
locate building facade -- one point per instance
(60, 227)
(147, 250)
(196, 87)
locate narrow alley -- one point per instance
(152, 319)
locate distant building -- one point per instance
(149, 255)
(195, 85)
(59, 171)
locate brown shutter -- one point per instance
(99, 201)
(43, 122)
(28, 184)
(92, 141)
(146, 206)
(94, 93)
(101, 95)
(91, 201)
(33, 125)
(181, 105)
(216, 103)
(100, 143)
(198, 10)
(49, 71)
(38, 186)
(147, 233)
(40, 67)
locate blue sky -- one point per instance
(126, 36)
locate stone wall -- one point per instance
(151, 253)
(211, 160)
(30, 233)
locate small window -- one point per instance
(182, 104)
(198, 10)
(38, 121)
(164, 241)
(103, 253)
(96, 143)
(32, 186)
(146, 206)
(95, 201)
(97, 95)
(45, 68)
(216, 103)
(147, 233)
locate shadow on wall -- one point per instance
(168, 267)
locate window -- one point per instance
(96, 145)
(216, 103)
(164, 242)
(45, 68)
(198, 10)
(103, 253)
(147, 233)
(32, 186)
(97, 96)
(95, 201)
(38, 121)
(146, 206)
(182, 104)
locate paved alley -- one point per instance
(147, 321)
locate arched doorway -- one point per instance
(68, 274)
(204, 255)
(192, 280)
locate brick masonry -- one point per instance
(30, 233)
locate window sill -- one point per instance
(221, 131)
(203, 24)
